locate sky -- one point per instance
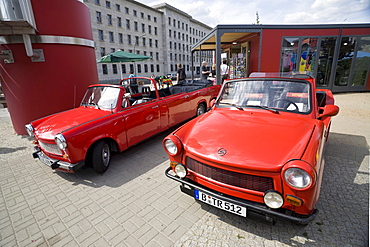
(215, 12)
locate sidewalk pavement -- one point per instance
(134, 204)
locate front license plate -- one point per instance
(44, 159)
(221, 204)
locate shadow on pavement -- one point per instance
(124, 166)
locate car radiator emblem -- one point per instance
(221, 152)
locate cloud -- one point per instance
(214, 12)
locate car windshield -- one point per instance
(271, 94)
(101, 97)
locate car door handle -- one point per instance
(155, 107)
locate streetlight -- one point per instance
(136, 43)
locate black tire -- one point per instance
(100, 157)
(201, 109)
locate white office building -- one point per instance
(161, 32)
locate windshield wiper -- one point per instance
(236, 106)
(265, 107)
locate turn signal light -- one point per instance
(66, 156)
(295, 201)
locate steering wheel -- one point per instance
(289, 102)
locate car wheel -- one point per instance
(201, 109)
(101, 156)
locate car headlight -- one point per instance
(297, 178)
(181, 170)
(30, 130)
(273, 199)
(60, 141)
(172, 145)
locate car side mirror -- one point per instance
(127, 95)
(329, 110)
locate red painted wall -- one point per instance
(271, 43)
(36, 89)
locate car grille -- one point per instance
(50, 148)
(241, 180)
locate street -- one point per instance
(135, 204)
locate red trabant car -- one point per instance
(111, 118)
(259, 150)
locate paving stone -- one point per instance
(135, 204)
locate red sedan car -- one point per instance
(260, 149)
(112, 118)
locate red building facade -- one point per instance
(338, 56)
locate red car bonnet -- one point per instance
(266, 140)
(67, 119)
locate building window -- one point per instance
(158, 70)
(344, 64)
(142, 15)
(129, 39)
(325, 60)
(157, 55)
(170, 44)
(169, 33)
(145, 68)
(156, 43)
(362, 62)
(120, 38)
(150, 43)
(111, 37)
(135, 13)
(105, 69)
(107, 4)
(101, 35)
(144, 42)
(139, 68)
(131, 67)
(149, 29)
(149, 17)
(136, 26)
(127, 10)
(152, 68)
(114, 68)
(155, 31)
(119, 22)
(143, 28)
(155, 19)
(123, 67)
(136, 40)
(98, 17)
(169, 21)
(109, 18)
(127, 23)
(102, 51)
(97, 2)
(118, 7)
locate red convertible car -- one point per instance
(259, 150)
(112, 118)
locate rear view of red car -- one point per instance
(260, 149)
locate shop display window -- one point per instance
(344, 64)
(325, 60)
(362, 62)
(289, 54)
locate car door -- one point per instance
(178, 108)
(142, 121)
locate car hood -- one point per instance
(249, 140)
(63, 121)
